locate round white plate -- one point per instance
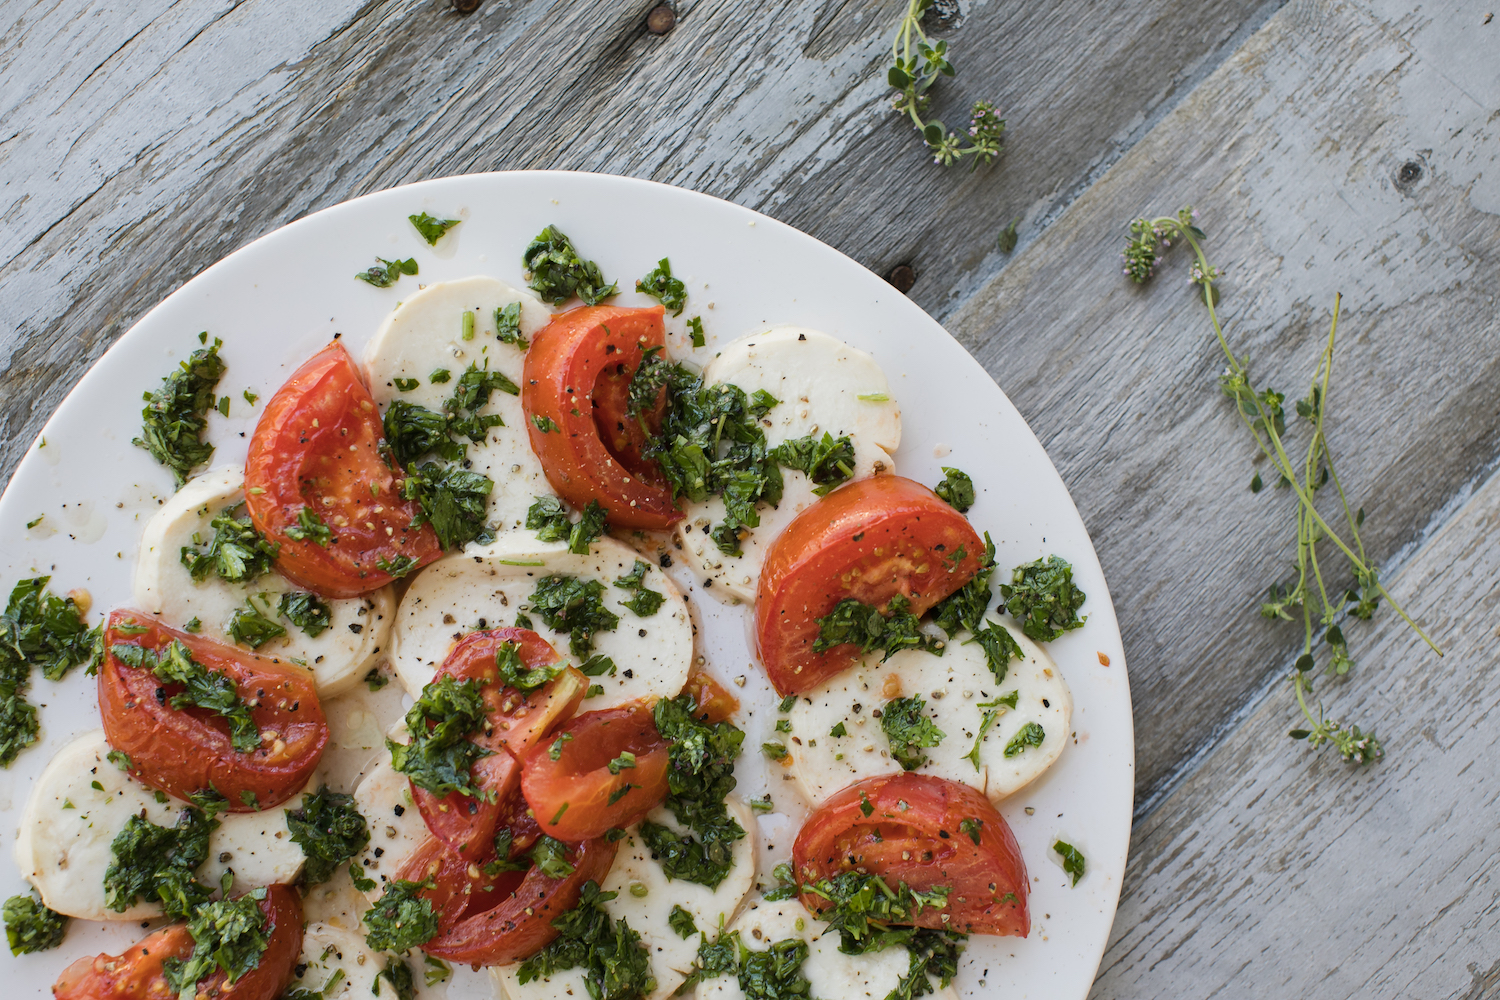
(278, 300)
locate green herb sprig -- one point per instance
(176, 412)
(918, 62)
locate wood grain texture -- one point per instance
(1273, 872)
(1293, 151)
(139, 143)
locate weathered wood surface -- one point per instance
(140, 143)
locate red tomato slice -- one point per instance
(575, 797)
(871, 540)
(577, 375)
(915, 833)
(467, 824)
(455, 880)
(137, 973)
(318, 446)
(520, 925)
(714, 704)
(182, 751)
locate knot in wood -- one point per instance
(1410, 173)
(902, 276)
(661, 19)
(466, 6)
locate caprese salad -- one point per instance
(453, 551)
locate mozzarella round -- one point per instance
(486, 586)
(819, 381)
(830, 973)
(338, 657)
(958, 689)
(328, 950)
(63, 845)
(425, 333)
(383, 797)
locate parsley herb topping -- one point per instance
(176, 412)
(432, 229)
(211, 690)
(306, 611)
(30, 926)
(576, 606)
(829, 463)
(908, 731)
(616, 964)
(646, 602)
(38, 629)
(956, 488)
(558, 273)
(330, 830)
(401, 920)
(156, 864)
(1072, 859)
(452, 499)
(236, 553)
(549, 519)
(249, 625)
(310, 528)
(870, 629)
(385, 273)
(508, 326)
(228, 935)
(1042, 597)
(1030, 735)
(660, 285)
(440, 754)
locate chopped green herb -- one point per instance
(1000, 647)
(120, 759)
(30, 926)
(438, 971)
(1072, 859)
(330, 830)
(207, 800)
(398, 974)
(360, 882)
(985, 722)
(223, 406)
(514, 673)
(956, 488)
(207, 689)
(310, 527)
(385, 273)
(597, 666)
(1042, 597)
(828, 462)
(870, 629)
(551, 856)
(971, 826)
(236, 553)
(616, 965)
(440, 376)
(838, 730)
(965, 607)
(576, 606)
(555, 751)
(695, 331)
(594, 691)
(405, 384)
(1029, 735)
(787, 703)
(908, 731)
(660, 285)
(432, 229)
(868, 913)
(762, 804)
(34, 521)
(785, 725)
(401, 920)
(250, 397)
(624, 761)
(700, 776)
(440, 755)
(453, 500)
(193, 626)
(544, 423)
(250, 626)
(397, 567)
(38, 629)
(646, 602)
(156, 864)
(175, 415)
(775, 750)
(229, 935)
(681, 921)
(249, 798)
(775, 973)
(412, 431)
(558, 273)
(508, 326)
(875, 397)
(306, 611)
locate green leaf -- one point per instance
(385, 273)
(660, 285)
(575, 606)
(31, 927)
(401, 920)
(430, 228)
(176, 412)
(908, 731)
(1029, 735)
(558, 273)
(330, 830)
(1043, 598)
(440, 754)
(898, 78)
(1072, 859)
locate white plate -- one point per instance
(278, 300)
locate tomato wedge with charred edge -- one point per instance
(872, 540)
(467, 824)
(137, 973)
(577, 379)
(575, 796)
(921, 830)
(457, 882)
(318, 447)
(187, 750)
(520, 925)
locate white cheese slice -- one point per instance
(338, 657)
(63, 845)
(425, 333)
(819, 381)
(328, 950)
(568, 984)
(829, 972)
(491, 584)
(955, 686)
(383, 797)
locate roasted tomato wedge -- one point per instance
(520, 923)
(578, 373)
(601, 770)
(714, 704)
(317, 448)
(872, 540)
(467, 824)
(137, 973)
(192, 749)
(921, 830)
(456, 881)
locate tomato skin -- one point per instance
(137, 973)
(520, 925)
(714, 703)
(456, 880)
(570, 796)
(182, 751)
(871, 540)
(467, 824)
(318, 441)
(574, 378)
(901, 842)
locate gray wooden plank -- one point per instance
(139, 143)
(1293, 151)
(1273, 873)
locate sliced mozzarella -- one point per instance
(339, 656)
(647, 896)
(491, 584)
(568, 984)
(829, 972)
(82, 801)
(819, 381)
(327, 951)
(955, 686)
(383, 797)
(424, 334)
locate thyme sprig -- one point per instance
(1262, 412)
(918, 62)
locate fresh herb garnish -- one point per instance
(30, 926)
(615, 963)
(432, 229)
(971, 827)
(437, 971)
(965, 607)
(229, 935)
(1030, 735)
(908, 731)
(1042, 597)
(236, 553)
(508, 326)
(1072, 859)
(776, 972)
(211, 690)
(869, 913)
(544, 423)
(385, 273)
(440, 755)
(660, 285)
(681, 921)
(870, 629)
(558, 273)
(306, 611)
(398, 974)
(405, 384)
(551, 856)
(775, 750)
(549, 519)
(401, 920)
(576, 606)
(38, 629)
(330, 830)
(514, 673)
(1000, 647)
(828, 462)
(956, 488)
(249, 625)
(375, 680)
(412, 431)
(309, 528)
(452, 499)
(695, 331)
(176, 413)
(156, 864)
(360, 882)
(913, 74)
(397, 567)
(646, 602)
